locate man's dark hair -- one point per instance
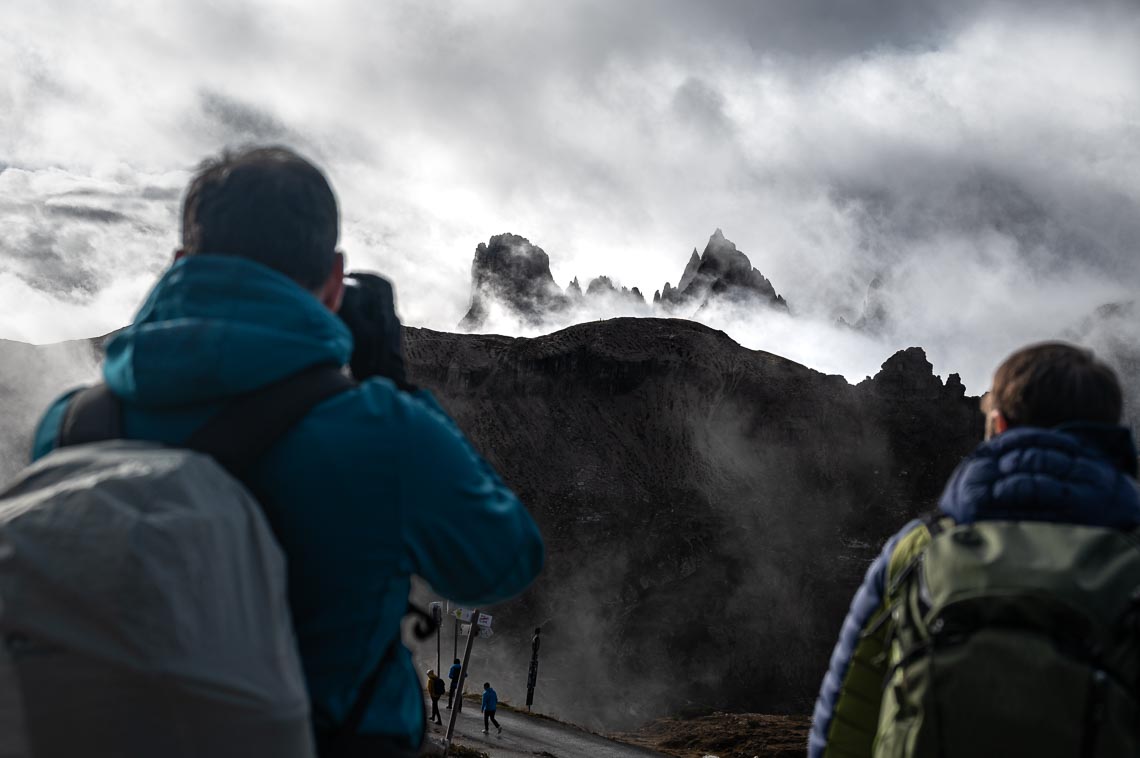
(267, 204)
(457, 660)
(1052, 383)
(486, 685)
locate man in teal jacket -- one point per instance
(374, 485)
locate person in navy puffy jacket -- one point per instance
(1054, 451)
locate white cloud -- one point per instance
(983, 159)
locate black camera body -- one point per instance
(368, 309)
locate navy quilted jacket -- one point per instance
(1075, 473)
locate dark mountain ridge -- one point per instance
(708, 509)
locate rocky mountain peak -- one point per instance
(514, 275)
(722, 272)
(908, 373)
(690, 270)
(574, 290)
(512, 271)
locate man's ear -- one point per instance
(996, 423)
(332, 291)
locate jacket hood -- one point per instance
(216, 326)
(1074, 473)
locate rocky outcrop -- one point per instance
(603, 286)
(512, 272)
(708, 509)
(723, 274)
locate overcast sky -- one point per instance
(981, 158)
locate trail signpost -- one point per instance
(437, 617)
(480, 623)
(532, 675)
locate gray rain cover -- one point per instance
(143, 606)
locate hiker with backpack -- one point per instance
(435, 688)
(359, 483)
(1007, 623)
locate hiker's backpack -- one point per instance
(1012, 639)
(143, 609)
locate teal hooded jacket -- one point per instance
(374, 485)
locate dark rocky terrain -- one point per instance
(708, 509)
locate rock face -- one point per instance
(721, 273)
(708, 510)
(510, 270)
(603, 286)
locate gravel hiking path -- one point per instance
(526, 736)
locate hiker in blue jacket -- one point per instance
(490, 705)
(1054, 452)
(374, 485)
(453, 675)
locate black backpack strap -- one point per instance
(244, 430)
(94, 414)
(236, 437)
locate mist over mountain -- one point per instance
(1111, 331)
(978, 158)
(511, 277)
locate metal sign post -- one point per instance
(461, 615)
(532, 675)
(455, 639)
(459, 687)
(437, 617)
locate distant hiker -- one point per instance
(435, 688)
(490, 703)
(1006, 623)
(375, 484)
(453, 675)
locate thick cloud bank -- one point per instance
(979, 160)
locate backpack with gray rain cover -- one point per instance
(1014, 639)
(143, 607)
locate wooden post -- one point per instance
(472, 633)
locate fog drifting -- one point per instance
(983, 160)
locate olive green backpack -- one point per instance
(1013, 639)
